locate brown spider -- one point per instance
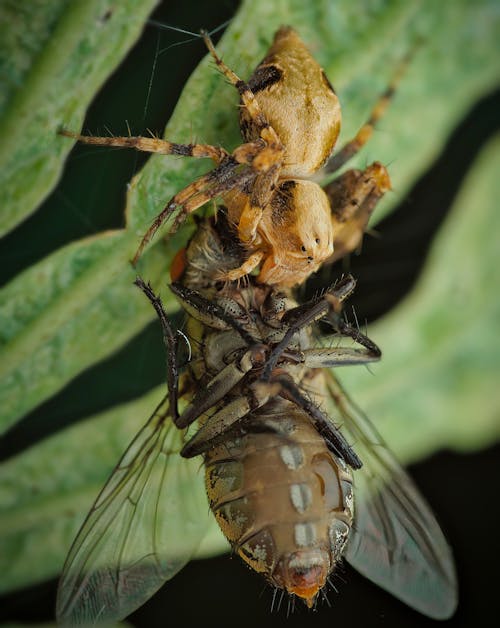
(290, 120)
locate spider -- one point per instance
(290, 121)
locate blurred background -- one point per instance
(143, 91)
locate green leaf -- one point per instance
(437, 383)
(67, 312)
(77, 306)
(46, 492)
(360, 51)
(54, 56)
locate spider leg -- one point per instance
(248, 100)
(253, 209)
(227, 417)
(245, 269)
(153, 145)
(366, 131)
(353, 197)
(265, 161)
(214, 183)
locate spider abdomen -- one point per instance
(299, 103)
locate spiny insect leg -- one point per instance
(346, 329)
(328, 357)
(207, 311)
(303, 315)
(214, 391)
(170, 341)
(227, 417)
(334, 439)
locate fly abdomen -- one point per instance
(282, 499)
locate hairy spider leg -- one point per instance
(265, 162)
(262, 155)
(354, 195)
(152, 145)
(354, 145)
(248, 100)
(193, 196)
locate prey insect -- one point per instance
(289, 120)
(296, 475)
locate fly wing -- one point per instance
(129, 545)
(396, 541)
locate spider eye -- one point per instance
(303, 248)
(317, 240)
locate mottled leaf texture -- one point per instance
(54, 56)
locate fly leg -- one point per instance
(327, 357)
(334, 439)
(222, 383)
(170, 342)
(223, 420)
(210, 313)
(302, 316)
(259, 393)
(220, 386)
(340, 356)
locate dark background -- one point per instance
(223, 590)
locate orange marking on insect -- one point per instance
(307, 585)
(178, 265)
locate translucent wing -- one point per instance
(143, 528)
(396, 541)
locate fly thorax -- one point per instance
(220, 348)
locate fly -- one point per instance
(297, 477)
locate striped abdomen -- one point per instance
(282, 499)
